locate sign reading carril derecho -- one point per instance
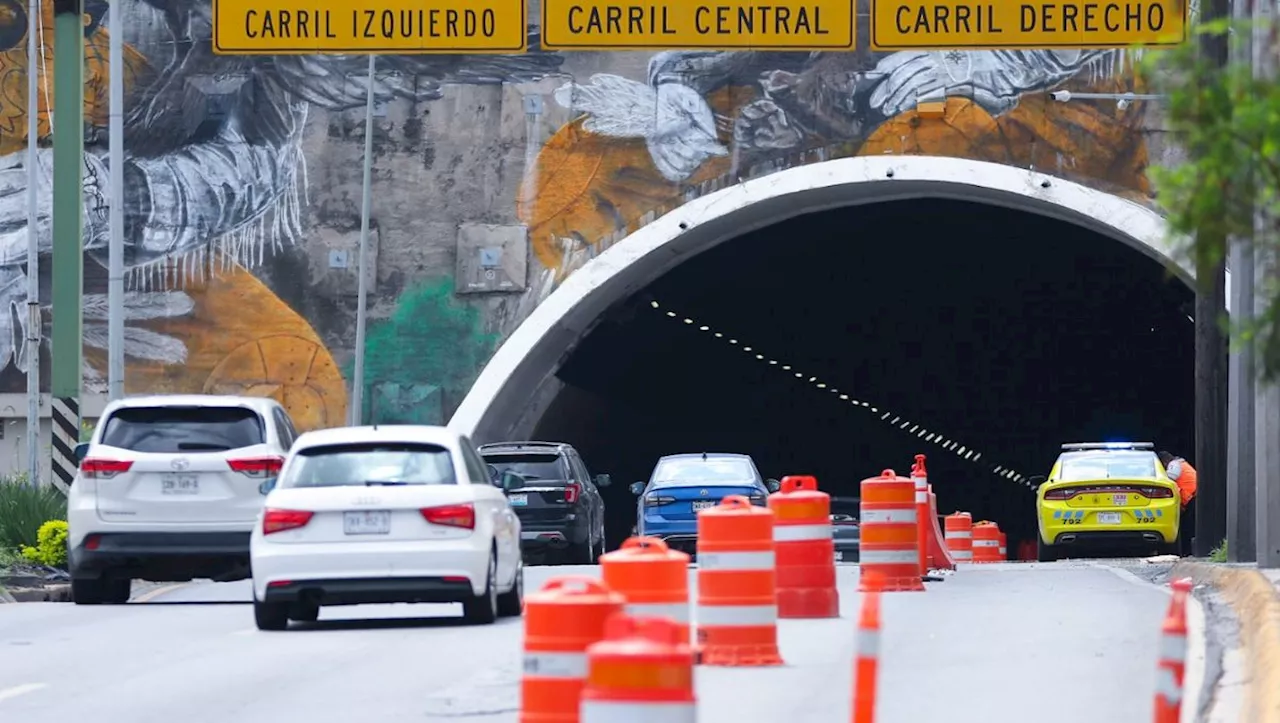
(392, 27)
(700, 24)
(955, 24)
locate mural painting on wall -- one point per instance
(214, 180)
(700, 120)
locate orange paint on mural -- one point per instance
(13, 77)
(589, 186)
(242, 339)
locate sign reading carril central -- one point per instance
(393, 27)
(703, 24)
(955, 24)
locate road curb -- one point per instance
(49, 593)
(1256, 604)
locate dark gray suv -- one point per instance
(557, 500)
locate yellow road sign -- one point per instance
(393, 27)
(956, 24)
(680, 24)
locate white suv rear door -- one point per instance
(171, 464)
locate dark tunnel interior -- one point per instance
(1003, 331)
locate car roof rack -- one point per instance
(1081, 446)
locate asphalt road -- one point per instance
(997, 643)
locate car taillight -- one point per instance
(654, 500)
(572, 492)
(1156, 493)
(758, 499)
(1059, 494)
(275, 520)
(257, 467)
(99, 468)
(463, 515)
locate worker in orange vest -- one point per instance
(1184, 475)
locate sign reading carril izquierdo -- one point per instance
(306, 27)
(956, 24)
(698, 24)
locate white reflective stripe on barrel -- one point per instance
(801, 533)
(555, 665)
(985, 543)
(676, 611)
(730, 615)
(952, 535)
(922, 497)
(1167, 686)
(962, 554)
(888, 557)
(1173, 647)
(899, 516)
(868, 644)
(736, 561)
(610, 711)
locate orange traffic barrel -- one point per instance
(560, 620)
(958, 530)
(1004, 546)
(653, 578)
(806, 552)
(642, 672)
(889, 534)
(1173, 656)
(737, 610)
(986, 542)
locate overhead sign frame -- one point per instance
(371, 27)
(699, 25)
(1002, 24)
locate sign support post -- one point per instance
(34, 322)
(362, 292)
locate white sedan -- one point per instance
(385, 514)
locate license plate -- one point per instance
(1109, 518)
(372, 522)
(180, 484)
(518, 500)
(703, 504)
(1120, 500)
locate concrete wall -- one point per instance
(495, 178)
(13, 430)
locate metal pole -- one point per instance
(33, 243)
(356, 413)
(115, 249)
(66, 351)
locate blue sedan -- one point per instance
(683, 484)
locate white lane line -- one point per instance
(154, 593)
(17, 690)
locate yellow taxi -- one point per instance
(1106, 495)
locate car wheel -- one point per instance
(271, 616)
(511, 602)
(305, 613)
(483, 608)
(1045, 552)
(88, 591)
(116, 590)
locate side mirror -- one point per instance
(511, 481)
(637, 488)
(82, 451)
(603, 480)
(1037, 480)
(772, 485)
(267, 486)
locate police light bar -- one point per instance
(1079, 446)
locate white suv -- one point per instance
(169, 489)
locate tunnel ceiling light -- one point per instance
(733, 341)
(822, 386)
(786, 367)
(962, 448)
(760, 357)
(895, 419)
(746, 348)
(866, 404)
(921, 434)
(719, 335)
(812, 379)
(799, 375)
(915, 427)
(874, 410)
(654, 304)
(671, 314)
(977, 457)
(773, 361)
(704, 327)
(846, 397)
(687, 320)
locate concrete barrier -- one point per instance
(1256, 604)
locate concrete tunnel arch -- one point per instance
(518, 382)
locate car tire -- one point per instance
(482, 609)
(271, 616)
(116, 590)
(88, 590)
(1045, 552)
(304, 613)
(511, 602)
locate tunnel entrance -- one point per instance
(843, 342)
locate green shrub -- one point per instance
(1219, 553)
(51, 545)
(24, 508)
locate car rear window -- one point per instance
(380, 464)
(183, 429)
(1107, 465)
(530, 466)
(681, 471)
